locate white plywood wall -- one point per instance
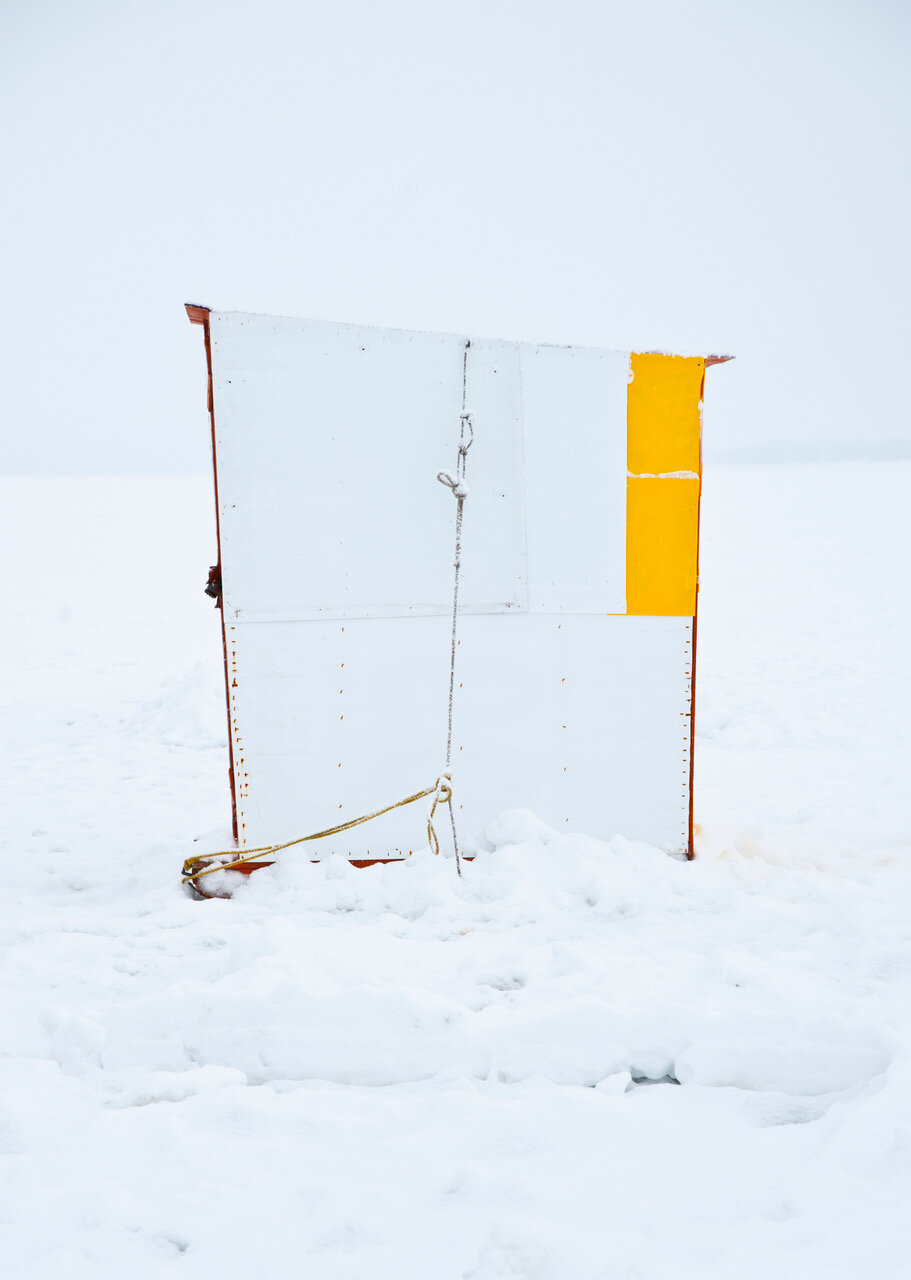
(336, 550)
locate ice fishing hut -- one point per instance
(575, 658)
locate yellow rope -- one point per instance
(441, 792)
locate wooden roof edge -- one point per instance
(200, 315)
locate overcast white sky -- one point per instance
(696, 176)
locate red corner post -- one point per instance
(691, 850)
(200, 315)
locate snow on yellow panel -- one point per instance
(662, 414)
(663, 484)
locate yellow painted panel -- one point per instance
(662, 414)
(662, 532)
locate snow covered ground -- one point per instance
(584, 1061)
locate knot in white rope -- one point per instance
(458, 487)
(467, 424)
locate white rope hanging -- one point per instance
(460, 492)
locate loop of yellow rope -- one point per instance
(441, 792)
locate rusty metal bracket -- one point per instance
(213, 584)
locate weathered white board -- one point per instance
(336, 544)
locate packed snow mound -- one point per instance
(575, 961)
(341, 1051)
